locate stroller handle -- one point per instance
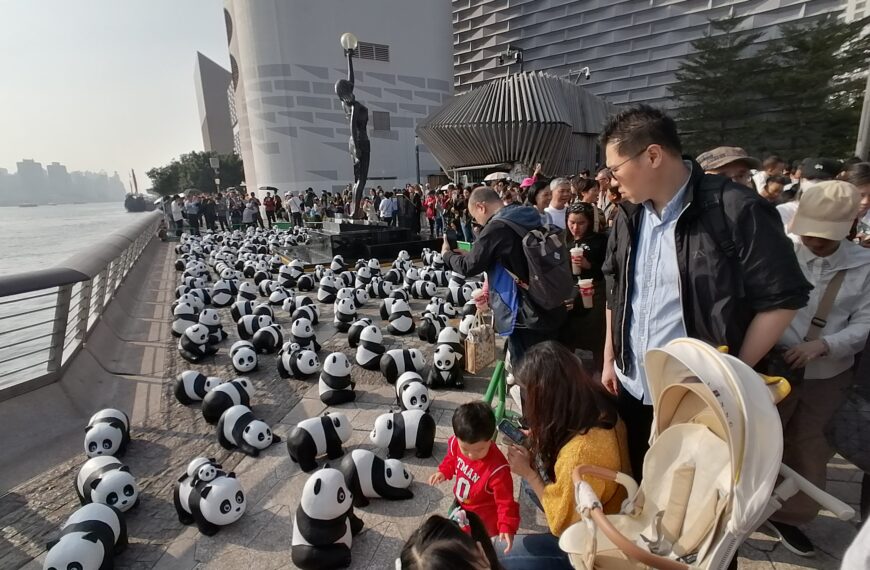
(790, 477)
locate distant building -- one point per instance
(32, 181)
(285, 58)
(59, 181)
(212, 81)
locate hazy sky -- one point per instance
(103, 84)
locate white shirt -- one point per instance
(759, 179)
(787, 212)
(385, 208)
(177, 213)
(558, 217)
(295, 205)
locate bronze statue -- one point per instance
(360, 146)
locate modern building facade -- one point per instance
(212, 81)
(631, 47)
(285, 58)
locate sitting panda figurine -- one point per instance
(324, 523)
(106, 480)
(89, 539)
(431, 326)
(374, 266)
(305, 283)
(250, 324)
(185, 315)
(302, 333)
(209, 504)
(268, 339)
(222, 293)
(310, 312)
(241, 308)
(353, 333)
(107, 433)
(360, 297)
(451, 337)
(244, 357)
(239, 429)
(193, 346)
(192, 386)
(336, 386)
(279, 295)
(345, 278)
(370, 477)
(446, 369)
(337, 264)
(297, 362)
(401, 321)
(465, 326)
(379, 288)
(328, 289)
(247, 291)
(422, 289)
(224, 397)
(411, 393)
(363, 277)
(396, 362)
(439, 306)
(211, 320)
(345, 314)
(394, 276)
(264, 310)
(398, 432)
(412, 275)
(315, 437)
(370, 349)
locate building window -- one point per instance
(376, 52)
(380, 120)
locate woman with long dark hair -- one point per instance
(446, 544)
(572, 421)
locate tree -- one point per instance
(716, 106)
(193, 170)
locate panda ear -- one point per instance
(231, 474)
(95, 483)
(205, 492)
(318, 483)
(51, 543)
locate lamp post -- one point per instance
(349, 41)
(215, 163)
(417, 153)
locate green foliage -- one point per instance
(193, 170)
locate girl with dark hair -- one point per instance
(446, 544)
(572, 421)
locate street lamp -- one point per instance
(215, 163)
(349, 41)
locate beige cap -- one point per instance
(722, 155)
(827, 210)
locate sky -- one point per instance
(104, 84)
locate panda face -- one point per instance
(325, 495)
(245, 359)
(383, 431)
(102, 439)
(212, 382)
(302, 328)
(337, 364)
(209, 317)
(223, 501)
(307, 361)
(445, 357)
(396, 475)
(258, 434)
(117, 489)
(198, 334)
(74, 552)
(415, 396)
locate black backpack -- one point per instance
(551, 284)
(716, 223)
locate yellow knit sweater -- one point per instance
(600, 447)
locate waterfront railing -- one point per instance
(47, 315)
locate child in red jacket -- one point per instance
(483, 477)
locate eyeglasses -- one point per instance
(610, 171)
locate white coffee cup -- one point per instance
(587, 290)
(576, 258)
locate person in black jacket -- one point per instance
(690, 254)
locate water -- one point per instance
(36, 238)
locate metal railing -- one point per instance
(46, 315)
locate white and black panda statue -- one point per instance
(371, 348)
(336, 386)
(452, 337)
(107, 433)
(379, 289)
(302, 333)
(345, 314)
(431, 326)
(353, 333)
(370, 477)
(184, 315)
(305, 283)
(409, 429)
(297, 362)
(345, 278)
(193, 346)
(401, 321)
(328, 289)
(192, 386)
(204, 469)
(223, 293)
(106, 480)
(89, 539)
(263, 310)
(239, 429)
(422, 289)
(360, 297)
(212, 321)
(412, 393)
(396, 362)
(363, 277)
(250, 324)
(279, 295)
(447, 370)
(241, 308)
(268, 339)
(224, 397)
(247, 291)
(324, 524)
(337, 264)
(310, 312)
(465, 325)
(209, 504)
(244, 357)
(319, 436)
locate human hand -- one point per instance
(537, 170)
(508, 539)
(800, 355)
(445, 245)
(437, 477)
(520, 461)
(609, 379)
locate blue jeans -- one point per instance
(467, 232)
(533, 552)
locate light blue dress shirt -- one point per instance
(656, 310)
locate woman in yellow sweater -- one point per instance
(572, 421)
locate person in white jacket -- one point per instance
(823, 220)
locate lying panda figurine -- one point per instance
(371, 348)
(410, 429)
(314, 437)
(194, 344)
(106, 480)
(396, 362)
(89, 539)
(306, 311)
(411, 393)
(422, 289)
(446, 369)
(107, 433)
(268, 339)
(297, 362)
(250, 324)
(209, 504)
(324, 524)
(224, 397)
(370, 477)
(336, 386)
(244, 356)
(353, 333)
(239, 429)
(240, 309)
(192, 386)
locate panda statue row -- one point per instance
(209, 497)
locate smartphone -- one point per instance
(512, 432)
(452, 239)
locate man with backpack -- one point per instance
(527, 268)
(690, 254)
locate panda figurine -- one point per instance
(422, 289)
(446, 369)
(394, 276)
(185, 315)
(441, 278)
(302, 333)
(411, 393)
(465, 326)
(430, 327)
(314, 437)
(204, 469)
(374, 266)
(337, 264)
(370, 349)
(328, 289)
(247, 292)
(244, 357)
(212, 321)
(336, 386)
(324, 524)
(398, 432)
(209, 504)
(268, 339)
(193, 345)
(224, 397)
(379, 289)
(297, 362)
(239, 429)
(452, 337)
(345, 314)
(222, 293)
(107, 433)
(396, 362)
(89, 539)
(310, 312)
(370, 477)
(386, 307)
(353, 333)
(289, 305)
(363, 277)
(106, 480)
(305, 283)
(360, 297)
(264, 310)
(250, 324)
(439, 306)
(192, 386)
(279, 295)
(401, 321)
(241, 308)
(345, 278)
(411, 277)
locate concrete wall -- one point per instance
(211, 98)
(289, 59)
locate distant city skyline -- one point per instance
(35, 183)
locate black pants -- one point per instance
(270, 217)
(222, 220)
(521, 340)
(638, 419)
(297, 218)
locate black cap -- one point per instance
(820, 168)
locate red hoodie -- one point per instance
(484, 487)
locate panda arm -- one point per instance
(448, 464)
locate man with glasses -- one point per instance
(690, 254)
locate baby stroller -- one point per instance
(709, 478)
